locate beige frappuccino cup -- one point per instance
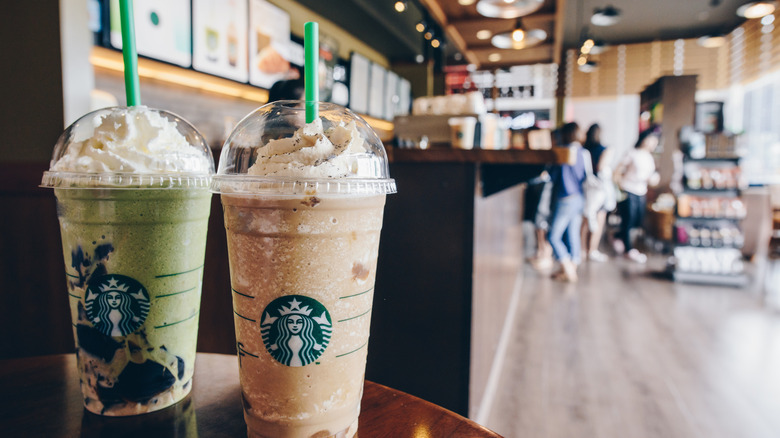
(303, 210)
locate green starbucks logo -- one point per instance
(296, 330)
(117, 305)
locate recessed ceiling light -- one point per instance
(484, 34)
(494, 57)
(508, 9)
(400, 5)
(606, 16)
(419, 59)
(711, 41)
(466, 2)
(757, 9)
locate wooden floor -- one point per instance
(626, 354)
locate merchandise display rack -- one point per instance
(708, 233)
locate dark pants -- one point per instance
(632, 216)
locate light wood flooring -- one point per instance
(626, 354)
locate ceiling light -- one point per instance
(435, 43)
(598, 48)
(508, 9)
(428, 35)
(466, 2)
(767, 20)
(587, 66)
(400, 6)
(757, 9)
(484, 34)
(519, 33)
(494, 57)
(711, 41)
(582, 60)
(606, 16)
(420, 26)
(509, 40)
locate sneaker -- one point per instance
(618, 246)
(597, 256)
(542, 263)
(636, 256)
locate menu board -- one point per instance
(270, 50)
(392, 99)
(376, 93)
(404, 97)
(220, 38)
(358, 83)
(340, 94)
(162, 29)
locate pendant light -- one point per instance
(606, 16)
(508, 8)
(757, 9)
(518, 38)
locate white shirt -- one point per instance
(637, 169)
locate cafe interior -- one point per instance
(471, 320)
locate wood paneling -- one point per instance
(645, 62)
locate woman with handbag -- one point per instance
(568, 204)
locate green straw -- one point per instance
(311, 49)
(132, 88)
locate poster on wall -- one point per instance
(271, 53)
(162, 29)
(392, 99)
(340, 94)
(376, 94)
(404, 97)
(219, 37)
(358, 83)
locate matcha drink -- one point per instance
(303, 212)
(133, 204)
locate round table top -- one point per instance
(40, 396)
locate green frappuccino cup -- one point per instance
(133, 201)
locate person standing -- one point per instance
(600, 156)
(633, 175)
(569, 203)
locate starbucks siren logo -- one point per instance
(296, 330)
(117, 305)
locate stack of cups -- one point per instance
(303, 207)
(133, 200)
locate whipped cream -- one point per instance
(314, 153)
(132, 140)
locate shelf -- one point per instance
(724, 192)
(713, 159)
(688, 245)
(706, 218)
(736, 280)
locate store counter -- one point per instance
(425, 297)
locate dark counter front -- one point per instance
(421, 328)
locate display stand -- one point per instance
(708, 232)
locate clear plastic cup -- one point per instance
(303, 257)
(133, 244)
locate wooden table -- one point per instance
(40, 396)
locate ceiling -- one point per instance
(566, 21)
